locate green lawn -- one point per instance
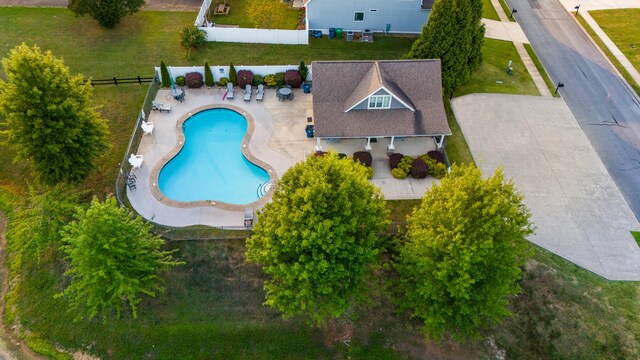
(507, 11)
(213, 305)
(623, 28)
(636, 236)
(238, 15)
(488, 11)
(492, 76)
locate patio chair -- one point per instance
(160, 107)
(136, 161)
(247, 93)
(229, 91)
(147, 127)
(260, 93)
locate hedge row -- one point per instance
(431, 163)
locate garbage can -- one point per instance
(309, 130)
(332, 33)
(306, 87)
(349, 35)
(338, 33)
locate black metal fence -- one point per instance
(167, 232)
(118, 81)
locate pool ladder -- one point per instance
(264, 188)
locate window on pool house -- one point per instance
(358, 16)
(380, 102)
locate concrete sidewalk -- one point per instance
(577, 208)
(511, 31)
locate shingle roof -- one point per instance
(338, 85)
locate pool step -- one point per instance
(263, 188)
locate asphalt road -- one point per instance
(606, 109)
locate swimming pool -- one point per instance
(210, 165)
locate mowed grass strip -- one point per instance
(488, 11)
(492, 77)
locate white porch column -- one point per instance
(368, 146)
(318, 145)
(390, 148)
(439, 141)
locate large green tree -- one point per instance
(318, 236)
(464, 249)
(47, 116)
(108, 13)
(113, 259)
(38, 220)
(454, 34)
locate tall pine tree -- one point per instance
(455, 35)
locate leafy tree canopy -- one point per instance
(464, 249)
(47, 116)
(192, 37)
(113, 259)
(38, 220)
(317, 237)
(108, 13)
(265, 14)
(453, 34)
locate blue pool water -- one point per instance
(211, 166)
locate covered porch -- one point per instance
(380, 147)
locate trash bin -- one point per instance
(306, 87)
(338, 33)
(309, 130)
(332, 33)
(349, 35)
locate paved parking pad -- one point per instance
(578, 210)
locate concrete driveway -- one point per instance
(579, 212)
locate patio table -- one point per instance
(284, 93)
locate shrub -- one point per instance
(208, 76)
(419, 168)
(320, 153)
(405, 164)
(223, 81)
(193, 80)
(394, 160)
(192, 37)
(436, 169)
(180, 81)
(233, 75)
(304, 71)
(398, 173)
(364, 157)
(257, 80)
(164, 73)
(437, 156)
(292, 78)
(279, 79)
(342, 156)
(369, 172)
(270, 80)
(245, 77)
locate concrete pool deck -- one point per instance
(279, 140)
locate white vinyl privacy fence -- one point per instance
(245, 35)
(223, 71)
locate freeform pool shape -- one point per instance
(210, 165)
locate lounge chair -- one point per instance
(260, 93)
(136, 161)
(160, 107)
(247, 93)
(230, 91)
(147, 127)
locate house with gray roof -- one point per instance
(393, 16)
(374, 100)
